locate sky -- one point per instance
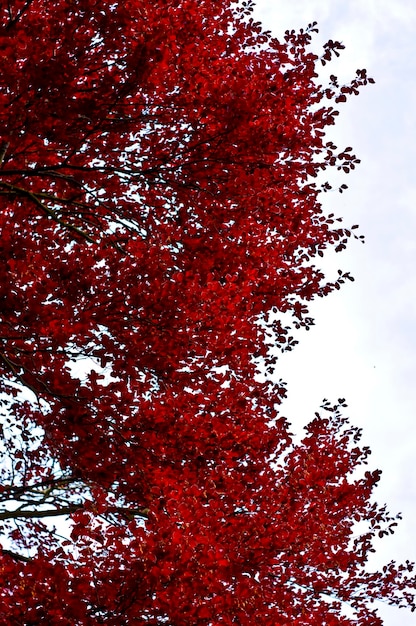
(363, 344)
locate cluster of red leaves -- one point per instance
(156, 204)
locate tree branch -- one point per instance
(49, 212)
(14, 19)
(16, 556)
(68, 510)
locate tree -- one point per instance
(159, 222)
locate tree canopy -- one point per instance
(160, 223)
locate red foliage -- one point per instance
(157, 220)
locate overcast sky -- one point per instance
(364, 343)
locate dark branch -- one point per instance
(17, 557)
(68, 510)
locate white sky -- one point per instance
(363, 346)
